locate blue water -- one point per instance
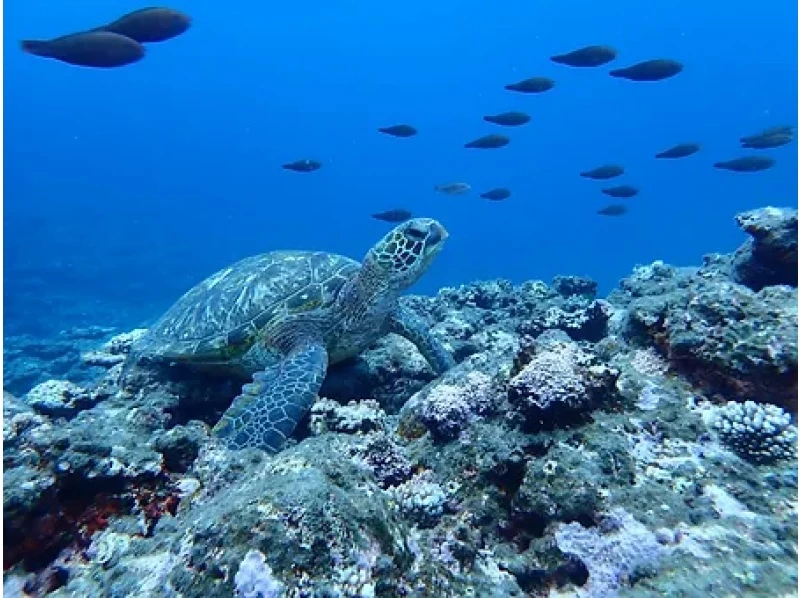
(125, 187)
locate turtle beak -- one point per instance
(437, 234)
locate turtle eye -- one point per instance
(416, 234)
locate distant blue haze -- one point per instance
(125, 187)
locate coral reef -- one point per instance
(758, 433)
(639, 445)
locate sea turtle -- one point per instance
(283, 316)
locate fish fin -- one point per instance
(36, 47)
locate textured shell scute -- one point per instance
(224, 314)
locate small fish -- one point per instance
(453, 188)
(399, 130)
(508, 119)
(532, 85)
(492, 141)
(588, 56)
(649, 70)
(609, 171)
(303, 165)
(679, 151)
(768, 141)
(497, 194)
(768, 132)
(397, 215)
(100, 49)
(615, 209)
(746, 164)
(150, 25)
(621, 191)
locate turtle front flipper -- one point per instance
(267, 411)
(409, 325)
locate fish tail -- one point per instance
(36, 47)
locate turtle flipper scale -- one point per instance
(410, 326)
(269, 408)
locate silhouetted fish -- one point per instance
(609, 171)
(303, 165)
(588, 56)
(768, 141)
(615, 209)
(492, 141)
(508, 119)
(399, 130)
(453, 188)
(746, 164)
(101, 49)
(398, 215)
(496, 194)
(621, 191)
(679, 151)
(532, 85)
(769, 131)
(649, 70)
(150, 25)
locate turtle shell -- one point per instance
(220, 318)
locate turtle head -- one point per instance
(406, 252)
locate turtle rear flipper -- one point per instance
(267, 411)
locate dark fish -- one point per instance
(91, 48)
(679, 151)
(621, 191)
(768, 132)
(768, 141)
(532, 85)
(303, 165)
(496, 194)
(615, 209)
(150, 25)
(508, 119)
(588, 56)
(398, 215)
(649, 70)
(609, 171)
(399, 130)
(488, 142)
(746, 164)
(453, 188)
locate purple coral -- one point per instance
(611, 558)
(561, 381)
(448, 408)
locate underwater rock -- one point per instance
(60, 398)
(355, 417)
(722, 335)
(769, 257)
(448, 408)
(613, 552)
(560, 384)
